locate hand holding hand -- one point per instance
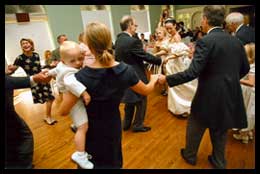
(42, 77)
(162, 79)
(54, 63)
(10, 69)
(165, 61)
(154, 78)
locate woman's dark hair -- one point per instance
(165, 13)
(170, 20)
(196, 36)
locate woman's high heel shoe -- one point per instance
(251, 135)
(243, 138)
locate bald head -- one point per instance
(69, 49)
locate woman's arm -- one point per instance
(249, 82)
(160, 53)
(68, 101)
(176, 55)
(172, 56)
(11, 69)
(145, 89)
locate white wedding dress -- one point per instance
(249, 100)
(179, 97)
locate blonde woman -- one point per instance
(106, 80)
(160, 50)
(47, 58)
(248, 89)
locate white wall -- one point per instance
(102, 16)
(143, 21)
(186, 14)
(38, 31)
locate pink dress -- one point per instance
(89, 57)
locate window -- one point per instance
(141, 15)
(101, 13)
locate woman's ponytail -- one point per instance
(105, 57)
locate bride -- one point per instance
(179, 97)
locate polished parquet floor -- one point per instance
(156, 149)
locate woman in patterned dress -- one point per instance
(30, 62)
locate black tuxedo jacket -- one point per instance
(219, 63)
(12, 83)
(130, 50)
(245, 34)
(18, 136)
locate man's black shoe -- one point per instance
(126, 126)
(211, 161)
(192, 162)
(142, 129)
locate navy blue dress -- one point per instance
(106, 87)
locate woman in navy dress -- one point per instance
(30, 62)
(106, 81)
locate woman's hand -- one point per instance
(68, 101)
(162, 79)
(154, 78)
(11, 69)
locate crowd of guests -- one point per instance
(94, 76)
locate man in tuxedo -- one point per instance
(18, 136)
(144, 41)
(55, 55)
(130, 50)
(219, 62)
(235, 24)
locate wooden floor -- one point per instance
(156, 149)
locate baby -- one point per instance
(71, 62)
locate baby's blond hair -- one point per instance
(69, 49)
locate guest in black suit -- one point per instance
(144, 41)
(18, 136)
(55, 58)
(219, 63)
(235, 24)
(130, 50)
